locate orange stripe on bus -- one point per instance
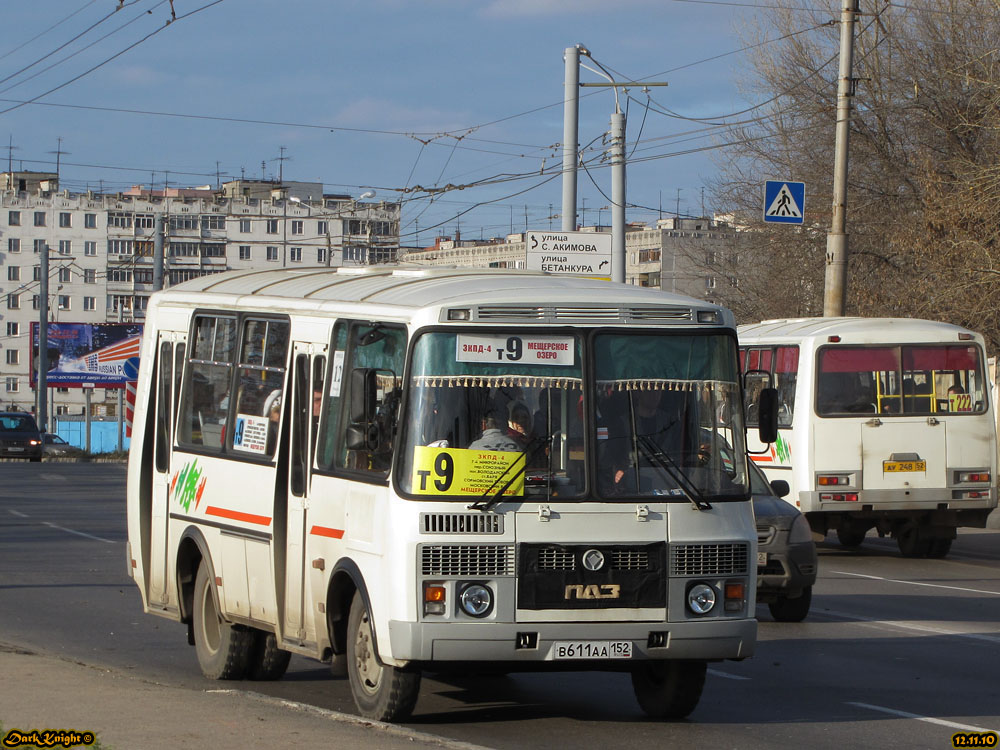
(236, 515)
(761, 459)
(327, 531)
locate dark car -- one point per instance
(55, 446)
(786, 553)
(19, 436)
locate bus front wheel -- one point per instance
(223, 649)
(668, 689)
(380, 691)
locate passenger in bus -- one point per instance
(494, 438)
(519, 422)
(272, 410)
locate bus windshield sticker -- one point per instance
(464, 471)
(338, 373)
(251, 433)
(524, 350)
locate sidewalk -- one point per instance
(44, 692)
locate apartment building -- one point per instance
(101, 253)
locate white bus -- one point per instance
(883, 423)
(413, 469)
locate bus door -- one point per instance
(309, 370)
(169, 365)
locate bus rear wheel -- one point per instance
(381, 692)
(223, 649)
(668, 689)
(267, 661)
(911, 543)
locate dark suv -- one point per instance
(19, 436)
(786, 553)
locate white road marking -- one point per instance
(916, 583)
(17, 513)
(918, 717)
(78, 533)
(728, 676)
(899, 625)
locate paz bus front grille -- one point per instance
(709, 559)
(467, 560)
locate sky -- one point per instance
(403, 97)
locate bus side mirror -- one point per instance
(767, 415)
(363, 395)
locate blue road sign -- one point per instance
(784, 202)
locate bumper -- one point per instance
(788, 572)
(22, 453)
(497, 642)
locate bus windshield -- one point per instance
(668, 417)
(910, 379)
(494, 413)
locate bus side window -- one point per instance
(205, 401)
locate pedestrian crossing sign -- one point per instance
(784, 202)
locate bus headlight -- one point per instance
(701, 598)
(476, 600)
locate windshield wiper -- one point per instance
(652, 452)
(528, 455)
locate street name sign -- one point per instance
(572, 253)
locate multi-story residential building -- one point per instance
(101, 253)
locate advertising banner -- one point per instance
(101, 355)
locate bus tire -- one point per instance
(223, 649)
(850, 537)
(792, 610)
(381, 692)
(267, 661)
(939, 548)
(910, 542)
(668, 689)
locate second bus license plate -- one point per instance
(888, 466)
(592, 650)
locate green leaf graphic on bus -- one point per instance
(783, 449)
(187, 486)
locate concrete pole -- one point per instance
(571, 116)
(86, 418)
(835, 287)
(43, 338)
(158, 256)
(618, 197)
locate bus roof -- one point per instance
(854, 330)
(411, 288)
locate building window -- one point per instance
(36, 302)
(90, 304)
(65, 275)
(272, 252)
(213, 221)
(13, 301)
(65, 219)
(13, 245)
(90, 221)
(272, 226)
(245, 226)
(64, 301)
(39, 218)
(244, 252)
(14, 218)
(62, 411)
(213, 251)
(65, 247)
(184, 249)
(120, 275)
(321, 255)
(12, 385)
(183, 222)
(13, 273)
(122, 221)
(36, 273)
(296, 226)
(710, 282)
(295, 254)
(144, 221)
(322, 227)
(37, 245)
(13, 329)
(143, 275)
(12, 356)
(90, 248)
(120, 247)
(89, 276)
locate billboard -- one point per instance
(102, 355)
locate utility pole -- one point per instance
(42, 383)
(617, 197)
(835, 287)
(571, 117)
(158, 252)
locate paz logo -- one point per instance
(187, 485)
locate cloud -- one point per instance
(382, 114)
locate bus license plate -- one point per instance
(592, 650)
(888, 466)
(762, 558)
